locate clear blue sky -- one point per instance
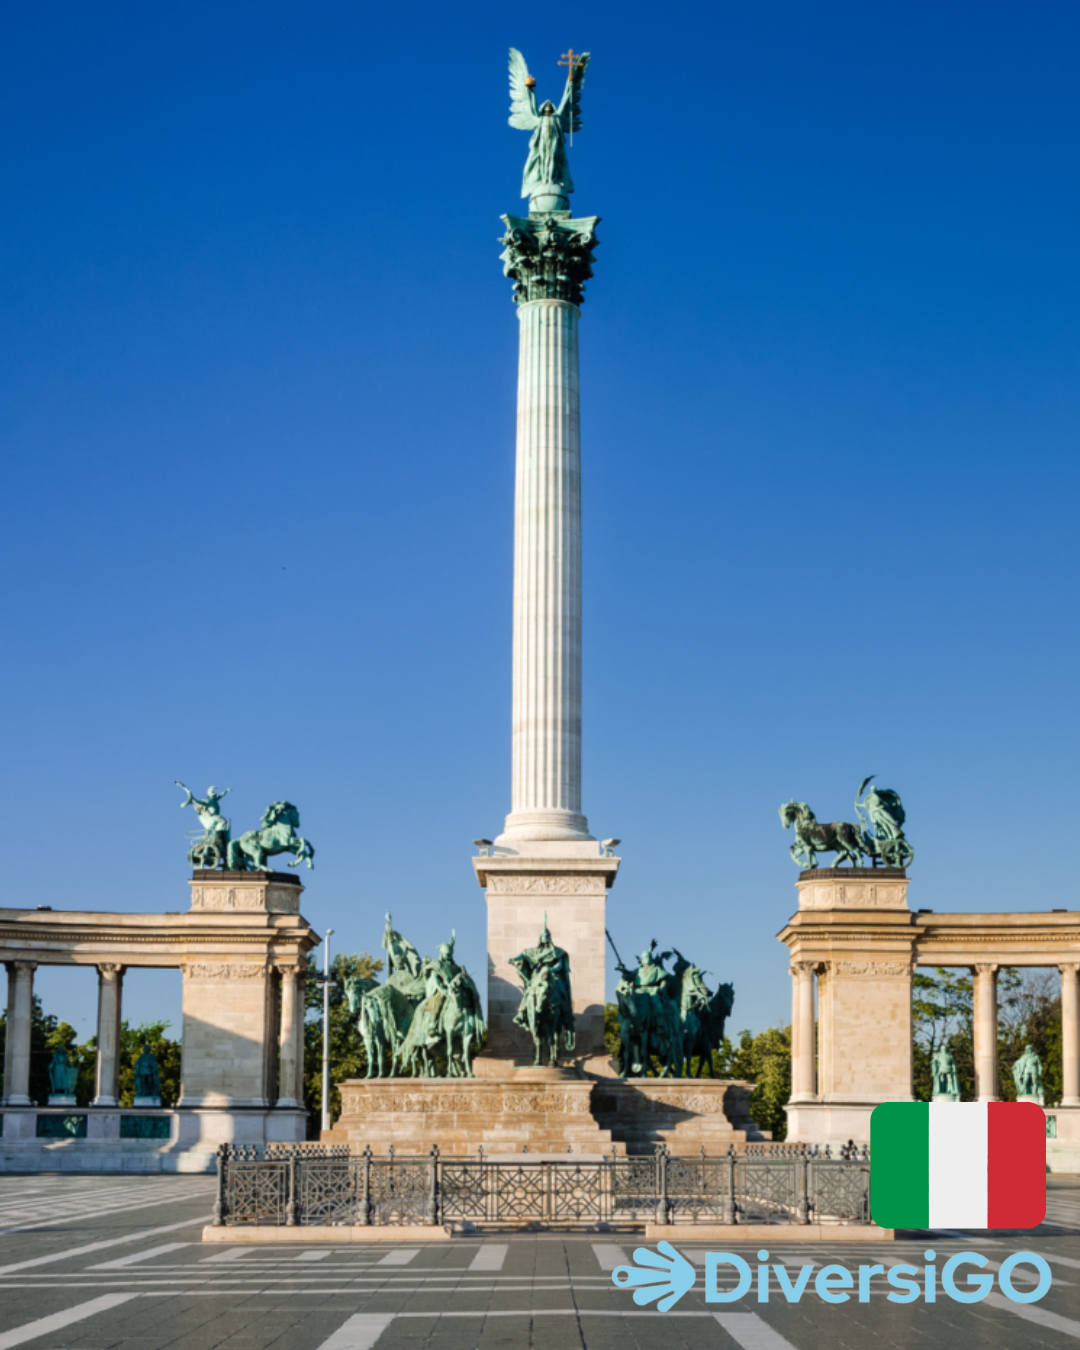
(257, 414)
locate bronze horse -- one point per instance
(812, 837)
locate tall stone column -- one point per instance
(986, 1042)
(546, 738)
(110, 986)
(21, 1005)
(291, 1044)
(548, 256)
(546, 867)
(803, 1084)
(9, 1021)
(1070, 1035)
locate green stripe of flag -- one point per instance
(900, 1165)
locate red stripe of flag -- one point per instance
(1015, 1165)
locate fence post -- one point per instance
(364, 1217)
(219, 1199)
(433, 1193)
(731, 1213)
(803, 1164)
(662, 1215)
(290, 1207)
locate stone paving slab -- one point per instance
(536, 1291)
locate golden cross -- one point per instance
(572, 60)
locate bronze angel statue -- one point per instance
(547, 178)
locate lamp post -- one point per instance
(326, 1033)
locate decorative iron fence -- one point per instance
(312, 1184)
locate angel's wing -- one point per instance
(569, 111)
(523, 114)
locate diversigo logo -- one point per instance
(667, 1275)
(944, 1165)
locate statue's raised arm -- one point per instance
(523, 112)
(569, 113)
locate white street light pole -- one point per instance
(326, 1034)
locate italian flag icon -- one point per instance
(958, 1165)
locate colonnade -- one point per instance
(805, 1035)
(20, 996)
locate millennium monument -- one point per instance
(545, 1078)
(545, 871)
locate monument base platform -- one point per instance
(686, 1114)
(542, 1113)
(547, 1111)
(832, 1123)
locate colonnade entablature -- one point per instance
(855, 941)
(242, 951)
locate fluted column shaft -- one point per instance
(110, 984)
(803, 1087)
(20, 1010)
(546, 798)
(291, 1044)
(986, 1040)
(1070, 1035)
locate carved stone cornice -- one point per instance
(549, 256)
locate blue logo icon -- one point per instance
(669, 1274)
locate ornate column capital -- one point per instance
(111, 970)
(986, 968)
(24, 968)
(289, 970)
(798, 968)
(549, 256)
(1072, 967)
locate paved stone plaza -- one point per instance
(94, 1263)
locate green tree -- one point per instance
(47, 1034)
(1029, 1011)
(347, 1057)
(764, 1060)
(168, 1053)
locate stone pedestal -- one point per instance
(232, 1005)
(64, 1099)
(154, 1102)
(547, 1114)
(687, 1114)
(567, 882)
(854, 930)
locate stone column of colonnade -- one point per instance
(986, 1033)
(803, 1078)
(291, 1061)
(17, 1043)
(1070, 1034)
(546, 738)
(110, 992)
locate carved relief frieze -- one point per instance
(851, 895)
(512, 1101)
(871, 967)
(223, 970)
(509, 883)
